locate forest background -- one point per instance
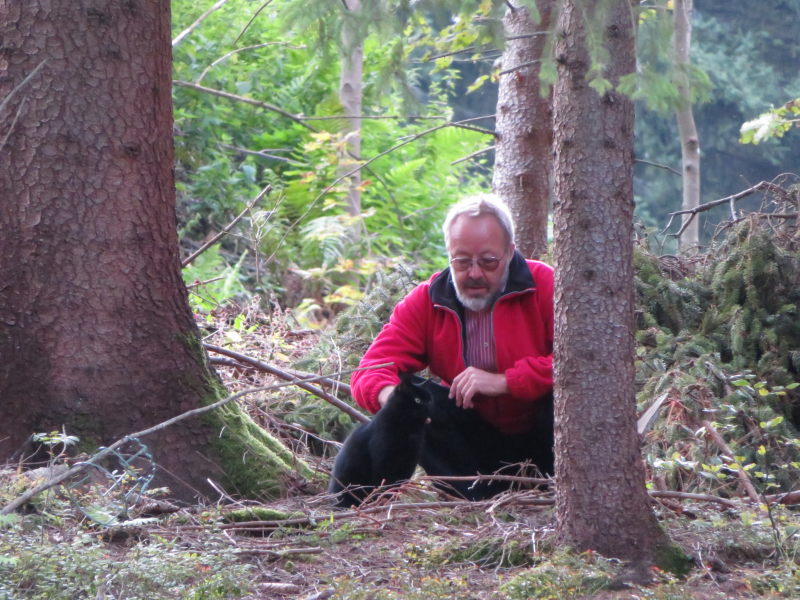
(289, 56)
(299, 260)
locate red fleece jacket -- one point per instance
(426, 330)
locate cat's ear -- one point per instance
(406, 379)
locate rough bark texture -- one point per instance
(96, 334)
(687, 131)
(523, 154)
(601, 499)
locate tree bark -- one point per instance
(350, 95)
(601, 499)
(96, 333)
(523, 155)
(687, 131)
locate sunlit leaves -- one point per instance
(771, 124)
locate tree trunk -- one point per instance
(350, 95)
(690, 142)
(601, 499)
(96, 334)
(523, 154)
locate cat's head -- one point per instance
(412, 391)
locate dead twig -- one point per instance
(300, 382)
(95, 458)
(691, 496)
(188, 260)
(692, 212)
(740, 472)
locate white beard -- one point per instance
(483, 302)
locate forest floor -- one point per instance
(414, 544)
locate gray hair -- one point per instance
(475, 206)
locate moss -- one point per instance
(259, 513)
(255, 463)
(672, 559)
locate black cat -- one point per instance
(384, 451)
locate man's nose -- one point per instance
(474, 270)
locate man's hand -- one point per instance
(383, 395)
(472, 381)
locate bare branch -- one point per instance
(529, 63)
(261, 366)
(250, 22)
(232, 52)
(183, 34)
(759, 187)
(659, 165)
(344, 176)
(187, 261)
(473, 155)
(207, 281)
(262, 154)
(229, 96)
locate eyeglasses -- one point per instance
(485, 263)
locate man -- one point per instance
(485, 327)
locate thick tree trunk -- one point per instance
(687, 131)
(96, 334)
(601, 499)
(523, 155)
(350, 95)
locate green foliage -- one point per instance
(771, 124)
(79, 567)
(722, 351)
(227, 151)
(220, 281)
(54, 553)
(750, 62)
(565, 576)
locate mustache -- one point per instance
(476, 283)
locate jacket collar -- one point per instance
(443, 292)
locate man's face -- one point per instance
(476, 238)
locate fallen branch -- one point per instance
(261, 366)
(740, 472)
(690, 496)
(95, 458)
(232, 362)
(512, 478)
